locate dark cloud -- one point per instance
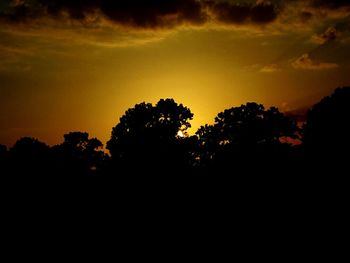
(22, 11)
(143, 14)
(135, 13)
(234, 13)
(305, 16)
(330, 4)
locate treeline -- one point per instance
(151, 141)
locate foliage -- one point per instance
(146, 141)
(248, 128)
(328, 123)
(148, 134)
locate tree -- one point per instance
(326, 143)
(29, 156)
(327, 126)
(3, 150)
(29, 148)
(147, 136)
(79, 154)
(244, 133)
(3, 158)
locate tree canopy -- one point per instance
(148, 134)
(328, 122)
(29, 148)
(153, 140)
(245, 129)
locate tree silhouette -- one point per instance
(327, 126)
(3, 158)
(326, 136)
(3, 150)
(29, 157)
(243, 134)
(146, 138)
(153, 140)
(28, 147)
(78, 154)
(80, 143)
(326, 145)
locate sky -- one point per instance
(70, 65)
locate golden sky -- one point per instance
(79, 65)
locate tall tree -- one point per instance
(242, 134)
(147, 137)
(327, 126)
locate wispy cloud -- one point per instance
(270, 68)
(306, 63)
(330, 34)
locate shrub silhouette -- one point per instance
(146, 138)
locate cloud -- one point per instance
(306, 63)
(156, 14)
(103, 36)
(330, 34)
(270, 68)
(233, 13)
(258, 18)
(133, 13)
(333, 4)
(141, 14)
(329, 9)
(305, 16)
